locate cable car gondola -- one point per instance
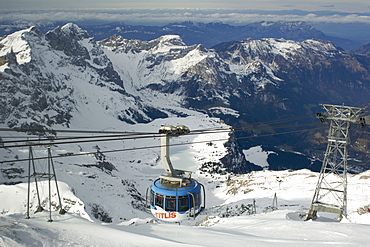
(175, 196)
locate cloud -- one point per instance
(158, 17)
(328, 6)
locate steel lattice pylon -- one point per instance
(331, 189)
(37, 176)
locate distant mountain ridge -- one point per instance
(207, 34)
(210, 34)
(363, 50)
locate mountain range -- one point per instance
(210, 34)
(207, 34)
(269, 88)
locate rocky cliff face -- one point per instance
(45, 78)
(28, 90)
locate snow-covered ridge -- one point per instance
(170, 40)
(17, 44)
(288, 49)
(73, 29)
(158, 61)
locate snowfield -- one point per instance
(272, 229)
(282, 227)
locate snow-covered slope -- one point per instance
(269, 229)
(104, 179)
(225, 217)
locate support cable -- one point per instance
(158, 146)
(58, 141)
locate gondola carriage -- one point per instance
(175, 196)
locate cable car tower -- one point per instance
(174, 196)
(331, 189)
(38, 176)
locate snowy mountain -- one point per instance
(80, 89)
(58, 74)
(60, 66)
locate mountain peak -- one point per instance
(17, 44)
(72, 29)
(291, 24)
(34, 30)
(171, 40)
(67, 39)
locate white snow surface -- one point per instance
(15, 43)
(266, 228)
(257, 156)
(82, 186)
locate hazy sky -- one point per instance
(308, 5)
(146, 12)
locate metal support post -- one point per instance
(29, 183)
(274, 203)
(61, 211)
(39, 207)
(49, 178)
